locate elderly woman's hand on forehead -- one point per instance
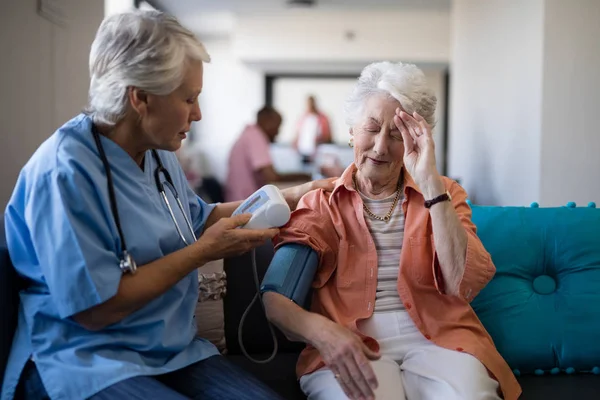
(419, 148)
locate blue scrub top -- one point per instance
(62, 237)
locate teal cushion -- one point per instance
(542, 308)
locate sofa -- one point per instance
(542, 308)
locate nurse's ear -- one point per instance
(138, 100)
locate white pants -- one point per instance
(410, 368)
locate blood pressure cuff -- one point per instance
(291, 272)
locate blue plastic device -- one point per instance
(291, 272)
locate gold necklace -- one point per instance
(370, 213)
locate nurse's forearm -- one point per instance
(136, 290)
(222, 210)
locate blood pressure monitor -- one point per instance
(268, 208)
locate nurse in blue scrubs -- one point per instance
(102, 225)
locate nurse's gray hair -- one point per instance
(145, 49)
(403, 82)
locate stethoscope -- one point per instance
(127, 263)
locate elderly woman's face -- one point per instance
(167, 119)
(378, 144)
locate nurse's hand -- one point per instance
(223, 240)
(293, 194)
(152, 280)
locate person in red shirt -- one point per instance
(250, 162)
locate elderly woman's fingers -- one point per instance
(398, 115)
(344, 378)
(411, 124)
(364, 365)
(407, 123)
(341, 377)
(407, 137)
(424, 125)
(418, 116)
(358, 377)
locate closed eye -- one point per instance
(193, 99)
(396, 135)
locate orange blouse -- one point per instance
(333, 225)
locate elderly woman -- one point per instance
(399, 262)
(102, 226)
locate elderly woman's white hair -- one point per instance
(404, 82)
(149, 50)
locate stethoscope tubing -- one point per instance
(127, 264)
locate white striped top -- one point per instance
(388, 238)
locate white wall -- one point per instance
(231, 96)
(496, 99)
(436, 81)
(525, 92)
(44, 77)
(118, 6)
(321, 35)
(571, 120)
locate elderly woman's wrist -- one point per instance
(316, 329)
(432, 186)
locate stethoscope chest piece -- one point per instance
(127, 263)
